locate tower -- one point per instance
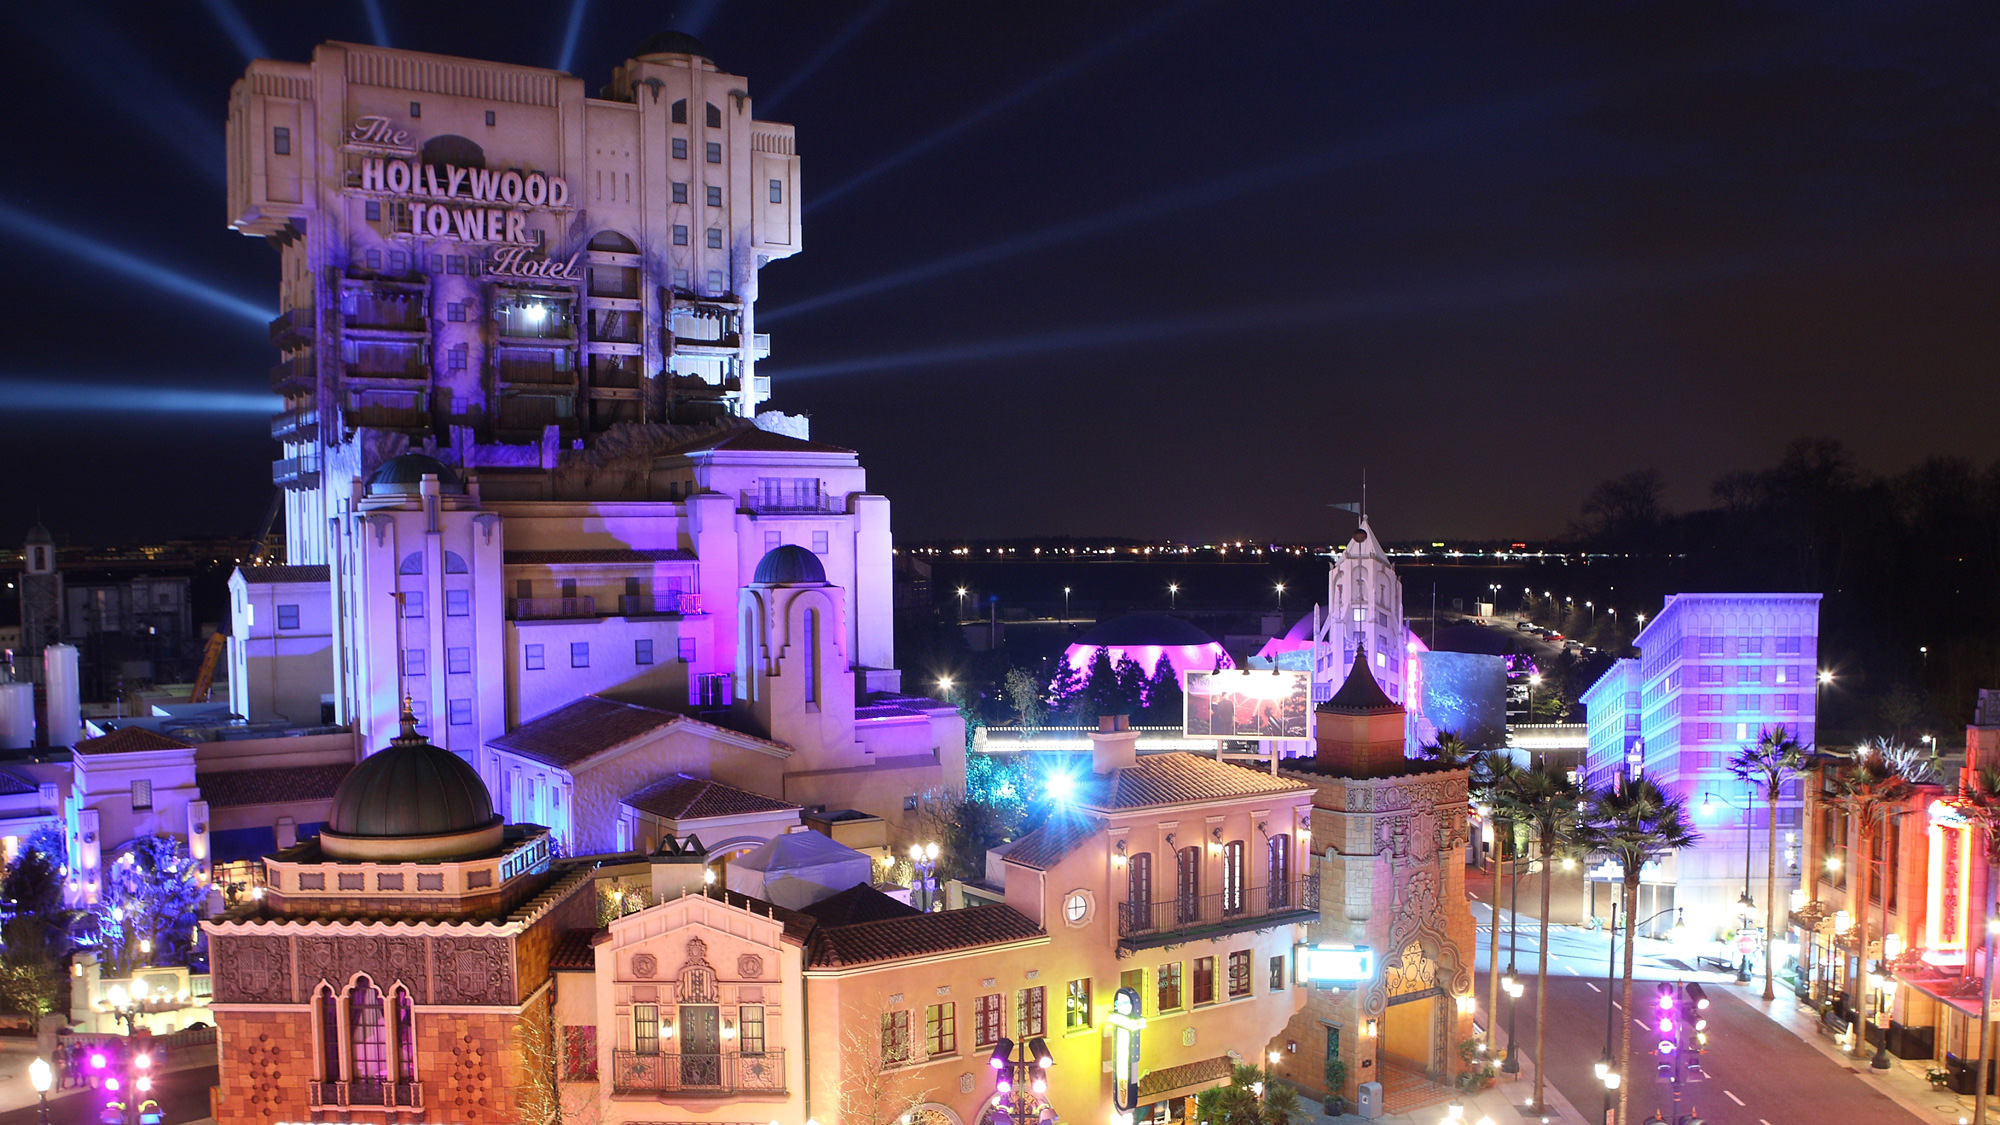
(1364, 610)
(482, 261)
(41, 600)
(793, 678)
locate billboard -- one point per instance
(1248, 704)
(1334, 964)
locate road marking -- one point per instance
(1732, 1097)
(1592, 987)
(1761, 1121)
(1574, 973)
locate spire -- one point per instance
(1360, 694)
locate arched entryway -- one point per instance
(1413, 1041)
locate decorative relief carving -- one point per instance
(645, 966)
(1411, 972)
(252, 969)
(749, 966)
(697, 976)
(385, 960)
(473, 970)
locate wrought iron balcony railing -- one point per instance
(1246, 908)
(728, 1072)
(388, 1095)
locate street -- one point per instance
(182, 1094)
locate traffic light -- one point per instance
(1669, 1023)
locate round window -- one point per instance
(1076, 908)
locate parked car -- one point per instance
(1525, 626)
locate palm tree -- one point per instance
(1545, 802)
(1631, 826)
(1979, 796)
(1486, 772)
(1874, 781)
(1776, 756)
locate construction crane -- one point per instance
(211, 654)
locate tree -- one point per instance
(1775, 757)
(1632, 825)
(1545, 802)
(1485, 773)
(964, 829)
(32, 897)
(1625, 511)
(150, 896)
(1065, 687)
(1163, 695)
(1024, 695)
(1132, 681)
(1871, 784)
(877, 1087)
(541, 1048)
(1102, 692)
(1281, 1103)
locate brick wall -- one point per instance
(266, 1066)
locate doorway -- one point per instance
(1409, 1034)
(701, 1045)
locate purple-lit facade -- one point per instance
(1714, 672)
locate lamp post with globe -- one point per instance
(42, 1076)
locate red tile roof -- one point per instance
(573, 950)
(681, 797)
(1055, 839)
(230, 788)
(131, 740)
(1178, 779)
(1202, 1072)
(590, 725)
(598, 555)
(13, 785)
(858, 904)
(798, 927)
(284, 573)
(919, 935)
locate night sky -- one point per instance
(1174, 270)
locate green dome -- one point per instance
(789, 565)
(414, 792)
(404, 475)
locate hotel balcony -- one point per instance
(295, 376)
(1145, 925)
(548, 609)
(296, 425)
(296, 472)
(659, 605)
(292, 328)
(655, 1072)
(394, 1096)
(788, 503)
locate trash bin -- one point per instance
(1368, 1100)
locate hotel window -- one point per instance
(1710, 674)
(398, 261)
(461, 712)
(714, 195)
(1169, 989)
(715, 238)
(715, 283)
(680, 113)
(642, 651)
(988, 1020)
(680, 192)
(686, 650)
(288, 617)
(454, 263)
(329, 1034)
(455, 358)
(941, 1029)
(374, 258)
(281, 140)
(777, 191)
(368, 1036)
(372, 210)
(646, 1028)
(416, 109)
(1278, 972)
(420, 710)
(458, 661)
(1239, 973)
(490, 118)
(1750, 646)
(579, 654)
(1233, 900)
(437, 263)
(142, 795)
(533, 654)
(714, 152)
(750, 1029)
(680, 235)
(714, 116)
(457, 603)
(819, 542)
(1076, 1006)
(1134, 979)
(1280, 871)
(413, 662)
(1139, 892)
(1204, 980)
(454, 311)
(1031, 1011)
(680, 148)
(413, 603)
(895, 1038)
(1786, 702)
(1713, 646)
(680, 279)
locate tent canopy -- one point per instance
(798, 869)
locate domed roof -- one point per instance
(1138, 629)
(410, 801)
(40, 534)
(404, 475)
(1360, 694)
(789, 565)
(672, 43)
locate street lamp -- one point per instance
(1173, 594)
(43, 1077)
(1281, 602)
(1065, 605)
(923, 860)
(961, 602)
(1747, 904)
(1534, 681)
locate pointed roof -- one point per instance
(1364, 544)
(131, 740)
(855, 905)
(1360, 695)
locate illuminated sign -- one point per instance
(1335, 964)
(1247, 704)
(1126, 1024)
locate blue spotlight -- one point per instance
(91, 46)
(69, 395)
(697, 16)
(833, 46)
(238, 29)
(570, 31)
(68, 242)
(376, 27)
(1020, 93)
(1061, 787)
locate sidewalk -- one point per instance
(1905, 1082)
(1501, 1103)
(16, 1052)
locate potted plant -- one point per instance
(1336, 1086)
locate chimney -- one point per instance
(679, 867)
(1114, 744)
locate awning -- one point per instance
(1184, 1080)
(1940, 989)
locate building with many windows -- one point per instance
(1713, 674)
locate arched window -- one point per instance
(681, 112)
(413, 563)
(611, 242)
(714, 116)
(452, 149)
(367, 1038)
(454, 563)
(811, 652)
(406, 1037)
(1139, 894)
(329, 1034)
(1187, 885)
